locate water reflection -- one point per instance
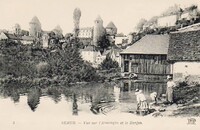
(74, 106)
(12, 92)
(33, 98)
(54, 93)
(97, 98)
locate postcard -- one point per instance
(99, 64)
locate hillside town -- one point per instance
(165, 47)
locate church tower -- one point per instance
(98, 30)
(35, 27)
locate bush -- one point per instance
(108, 64)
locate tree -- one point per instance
(104, 42)
(108, 64)
(140, 25)
(172, 10)
(153, 20)
(76, 17)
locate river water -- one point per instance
(87, 99)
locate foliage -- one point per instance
(172, 10)
(33, 62)
(140, 24)
(33, 98)
(185, 94)
(108, 63)
(104, 42)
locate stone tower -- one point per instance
(35, 27)
(17, 29)
(111, 29)
(98, 30)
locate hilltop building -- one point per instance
(45, 40)
(99, 30)
(111, 29)
(16, 38)
(86, 35)
(190, 13)
(121, 40)
(5, 36)
(35, 29)
(167, 21)
(17, 29)
(86, 32)
(91, 36)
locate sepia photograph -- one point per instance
(99, 64)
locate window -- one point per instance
(126, 66)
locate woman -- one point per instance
(154, 97)
(169, 92)
(142, 104)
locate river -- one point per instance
(87, 99)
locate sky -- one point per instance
(124, 13)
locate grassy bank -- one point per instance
(187, 94)
(186, 103)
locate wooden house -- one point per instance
(147, 58)
(184, 53)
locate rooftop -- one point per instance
(86, 28)
(149, 44)
(111, 25)
(185, 45)
(11, 36)
(35, 20)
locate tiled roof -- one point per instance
(35, 20)
(111, 25)
(184, 45)
(149, 44)
(12, 36)
(86, 28)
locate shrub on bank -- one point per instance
(185, 94)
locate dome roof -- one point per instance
(111, 25)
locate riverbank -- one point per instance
(186, 103)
